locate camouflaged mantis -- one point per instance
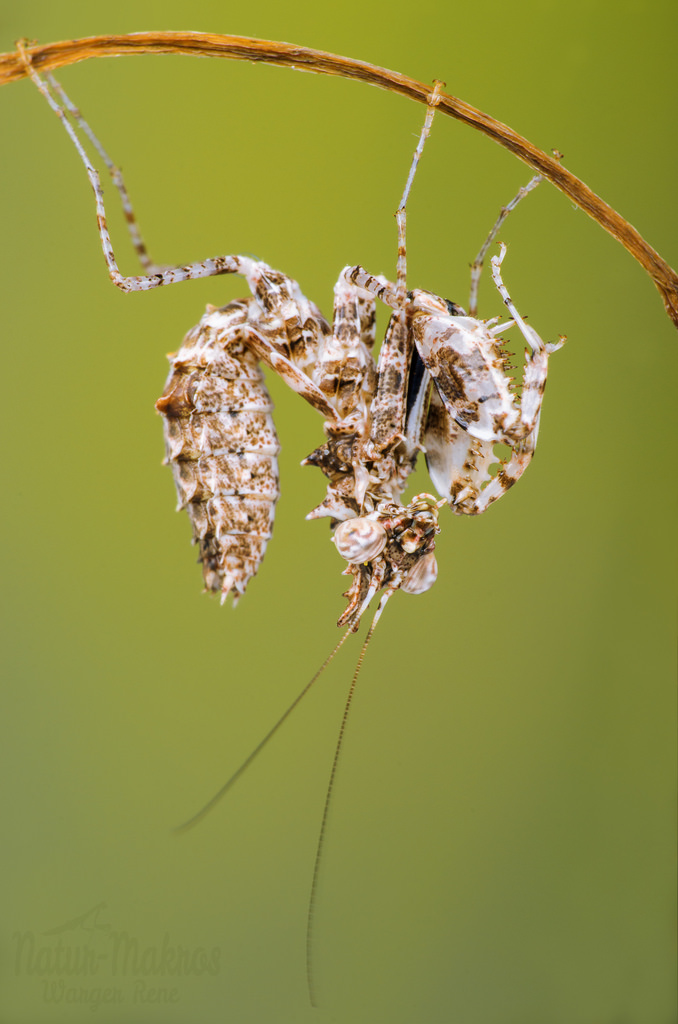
(440, 385)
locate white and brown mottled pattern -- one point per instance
(441, 384)
(222, 446)
(402, 559)
(473, 405)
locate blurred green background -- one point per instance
(500, 846)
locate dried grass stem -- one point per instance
(301, 58)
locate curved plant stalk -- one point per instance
(206, 44)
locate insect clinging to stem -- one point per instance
(440, 385)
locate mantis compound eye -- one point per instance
(421, 576)
(359, 540)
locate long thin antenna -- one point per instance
(310, 919)
(257, 750)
